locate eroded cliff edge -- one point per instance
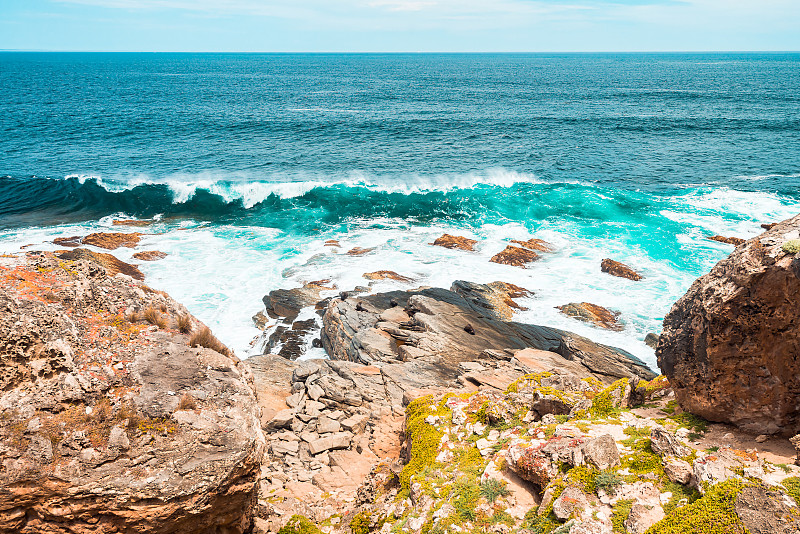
(121, 412)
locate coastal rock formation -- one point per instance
(515, 256)
(730, 344)
(150, 255)
(455, 241)
(592, 313)
(735, 241)
(621, 270)
(110, 263)
(358, 251)
(133, 222)
(535, 244)
(384, 275)
(444, 328)
(113, 420)
(112, 240)
(497, 298)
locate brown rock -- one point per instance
(730, 344)
(332, 243)
(769, 226)
(496, 297)
(616, 268)
(150, 255)
(571, 501)
(592, 313)
(358, 251)
(764, 510)
(515, 256)
(101, 396)
(455, 241)
(736, 241)
(642, 517)
(535, 244)
(383, 275)
(132, 222)
(111, 264)
(112, 240)
(73, 241)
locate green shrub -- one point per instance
(621, 512)
(360, 523)
(493, 488)
(792, 486)
(606, 481)
(791, 247)
(714, 513)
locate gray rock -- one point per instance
(642, 517)
(282, 448)
(678, 470)
(572, 500)
(293, 401)
(767, 511)
(118, 439)
(326, 425)
(602, 451)
(281, 419)
(339, 440)
(356, 423)
(315, 392)
(665, 443)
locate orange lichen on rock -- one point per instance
(515, 256)
(455, 241)
(112, 240)
(621, 270)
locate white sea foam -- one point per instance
(253, 189)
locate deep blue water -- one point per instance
(637, 155)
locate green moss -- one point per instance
(299, 524)
(424, 438)
(619, 514)
(469, 461)
(792, 486)
(714, 513)
(690, 421)
(492, 488)
(540, 524)
(791, 247)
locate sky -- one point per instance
(400, 25)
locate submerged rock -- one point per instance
(515, 256)
(535, 244)
(455, 241)
(592, 313)
(112, 240)
(621, 270)
(730, 344)
(105, 411)
(384, 275)
(150, 255)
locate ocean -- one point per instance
(258, 159)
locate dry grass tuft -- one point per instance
(153, 317)
(204, 338)
(163, 308)
(134, 317)
(185, 324)
(187, 402)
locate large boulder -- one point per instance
(730, 344)
(113, 420)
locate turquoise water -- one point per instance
(261, 158)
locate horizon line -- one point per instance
(33, 50)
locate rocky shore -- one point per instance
(435, 411)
